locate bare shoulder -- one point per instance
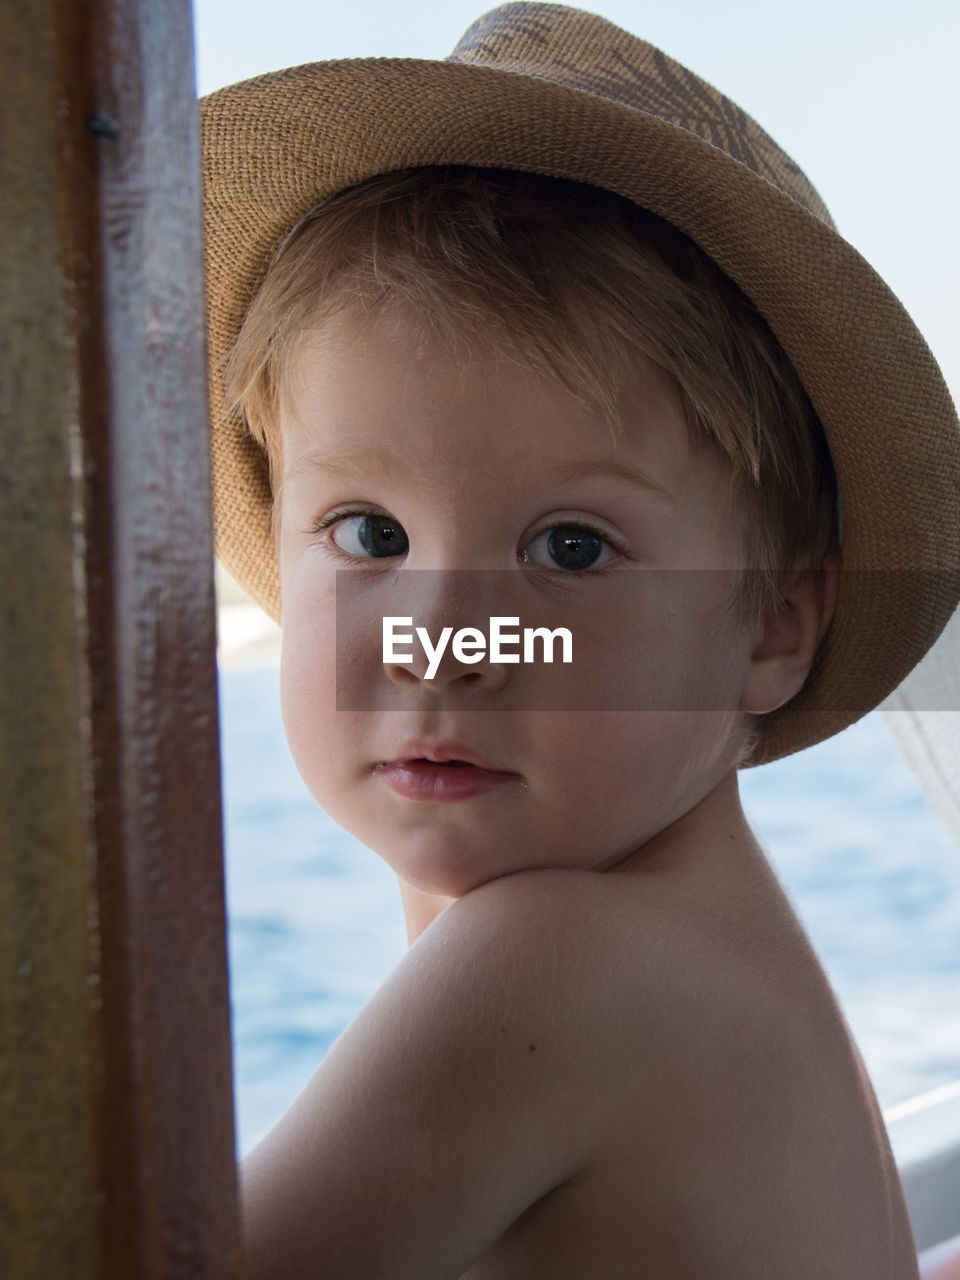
(615, 937)
(528, 913)
(699, 1035)
(563, 945)
(432, 1124)
(616, 973)
(571, 913)
(583, 1071)
(528, 957)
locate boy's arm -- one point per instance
(458, 1097)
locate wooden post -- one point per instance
(116, 1115)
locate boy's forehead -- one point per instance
(388, 400)
(349, 375)
(353, 358)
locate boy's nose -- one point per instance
(442, 673)
(451, 612)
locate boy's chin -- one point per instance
(441, 883)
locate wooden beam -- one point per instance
(116, 1117)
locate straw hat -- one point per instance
(553, 90)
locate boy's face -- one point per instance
(471, 449)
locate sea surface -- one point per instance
(315, 922)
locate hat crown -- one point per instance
(586, 52)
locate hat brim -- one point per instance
(274, 146)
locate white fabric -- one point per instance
(923, 714)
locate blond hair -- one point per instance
(585, 286)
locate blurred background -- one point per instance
(865, 98)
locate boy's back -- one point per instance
(724, 1076)
(646, 1074)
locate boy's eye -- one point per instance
(569, 546)
(364, 534)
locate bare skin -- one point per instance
(600, 1058)
(635, 1073)
(737, 1135)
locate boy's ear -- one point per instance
(792, 631)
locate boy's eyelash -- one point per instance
(325, 522)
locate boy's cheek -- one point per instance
(308, 698)
(315, 733)
(307, 580)
(308, 654)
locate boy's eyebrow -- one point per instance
(360, 462)
(618, 470)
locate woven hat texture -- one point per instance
(560, 92)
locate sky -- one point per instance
(865, 96)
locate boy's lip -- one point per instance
(441, 753)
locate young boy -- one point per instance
(556, 310)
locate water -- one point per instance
(315, 922)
